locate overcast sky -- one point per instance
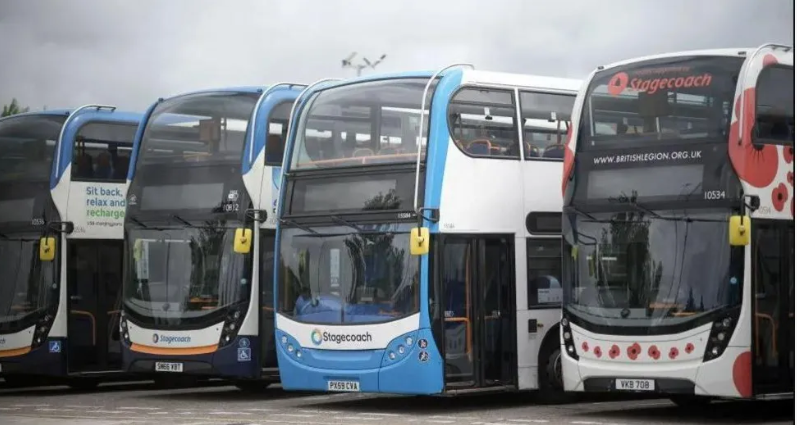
(129, 53)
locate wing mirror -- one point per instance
(243, 241)
(47, 248)
(419, 241)
(739, 230)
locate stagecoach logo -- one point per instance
(319, 337)
(132, 200)
(154, 338)
(315, 336)
(233, 195)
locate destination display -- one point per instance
(367, 192)
(673, 173)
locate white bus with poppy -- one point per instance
(678, 227)
(62, 207)
(475, 158)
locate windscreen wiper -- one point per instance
(134, 220)
(625, 199)
(181, 220)
(346, 223)
(295, 224)
(579, 212)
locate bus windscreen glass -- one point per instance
(27, 147)
(361, 124)
(205, 127)
(660, 101)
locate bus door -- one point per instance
(268, 347)
(773, 300)
(94, 283)
(478, 306)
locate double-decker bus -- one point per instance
(422, 255)
(62, 208)
(200, 236)
(678, 227)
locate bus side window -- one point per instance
(277, 133)
(544, 271)
(102, 150)
(483, 124)
(775, 105)
(546, 121)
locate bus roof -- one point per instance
(93, 114)
(469, 75)
(241, 89)
(741, 52)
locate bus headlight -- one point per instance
(567, 339)
(231, 326)
(721, 331)
(43, 326)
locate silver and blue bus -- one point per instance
(62, 208)
(200, 236)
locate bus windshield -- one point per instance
(28, 285)
(364, 123)
(661, 100)
(27, 147)
(649, 269)
(184, 272)
(335, 276)
(204, 127)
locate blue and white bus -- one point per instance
(200, 235)
(422, 255)
(61, 213)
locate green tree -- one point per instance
(13, 108)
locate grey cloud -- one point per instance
(62, 54)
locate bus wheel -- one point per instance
(252, 386)
(690, 401)
(549, 374)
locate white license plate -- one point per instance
(343, 386)
(168, 367)
(636, 384)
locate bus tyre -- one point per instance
(551, 388)
(690, 401)
(252, 386)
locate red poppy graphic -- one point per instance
(633, 351)
(770, 60)
(788, 154)
(673, 353)
(654, 352)
(585, 346)
(614, 352)
(597, 351)
(779, 197)
(756, 165)
(568, 160)
(790, 178)
(689, 348)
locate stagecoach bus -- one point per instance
(61, 213)
(200, 236)
(419, 233)
(678, 227)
